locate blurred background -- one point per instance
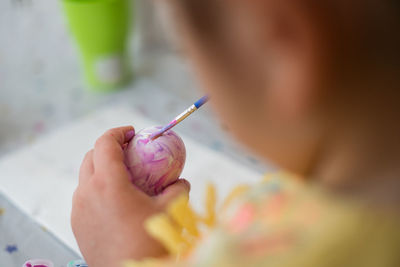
(43, 86)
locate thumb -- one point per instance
(173, 191)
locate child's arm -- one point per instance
(108, 211)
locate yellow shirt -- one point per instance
(280, 223)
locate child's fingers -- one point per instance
(181, 186)
(87, 167)
(108, 152)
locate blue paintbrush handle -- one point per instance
(181, 117)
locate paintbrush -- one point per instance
(180, 117)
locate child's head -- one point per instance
(284, 75)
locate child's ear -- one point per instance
(293, 49)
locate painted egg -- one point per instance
(155, 164)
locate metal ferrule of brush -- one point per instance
(186, 113)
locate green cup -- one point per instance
(101, 29)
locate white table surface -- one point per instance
(41, 177)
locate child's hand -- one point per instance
(108, 211)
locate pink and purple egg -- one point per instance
(155, 164)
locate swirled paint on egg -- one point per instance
(155, 164)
